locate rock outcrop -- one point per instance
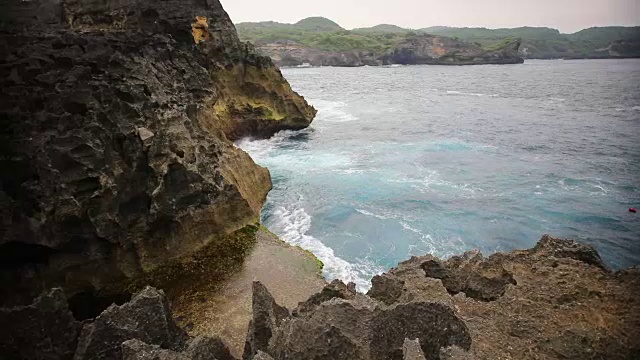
(554, 301)
(290, 53)
(441, 50)
(116, 122)
(414, 49)
(561, 304)
(140, 329)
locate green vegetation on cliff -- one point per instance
(537, 42)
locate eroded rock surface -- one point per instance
(115, 126)
(346, 325)
(554, 301)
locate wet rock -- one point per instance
(267, 316)
(45, 329)
(147, 317)
(411, 350)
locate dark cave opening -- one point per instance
(88, 304)
(15, 254)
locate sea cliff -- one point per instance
(116, 127)
(412, 49)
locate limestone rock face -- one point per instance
(441, 50)
(115, 126)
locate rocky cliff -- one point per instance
(290, 53)
(441, 50)
(554, 301)
(116, 122)
(412, 49)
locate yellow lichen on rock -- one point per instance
(200, 29)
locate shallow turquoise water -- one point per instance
(410, 160)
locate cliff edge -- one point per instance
(554, 301)
(116, 128)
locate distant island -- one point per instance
(319, 41)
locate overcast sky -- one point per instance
(565, 15)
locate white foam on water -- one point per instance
(455, 92)
(294, 224)
(368, 213)
(332, 111)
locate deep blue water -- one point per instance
(410, 160)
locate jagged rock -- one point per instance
(339, 324)
(45, 329)
(411, 350)
(542, 299)
(472, 283)
(115, 121)
(336, 289)
(147, 317)
(563, 248)
(267, 316)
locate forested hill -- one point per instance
(537, 42)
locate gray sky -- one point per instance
(565, 15)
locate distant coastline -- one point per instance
(321, 42)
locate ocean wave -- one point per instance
(455, 92)
(294, 224)
(332, 111)
(427, 245)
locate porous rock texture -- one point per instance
(554, 301)
(116, 125)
